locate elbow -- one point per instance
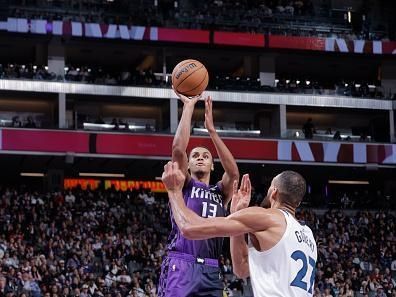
(187, 232)
(241, 269)
(241, 272)
(177, 150)
(234, 175)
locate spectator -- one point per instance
(30, 123)
(149, 199)
(70, 198)
(114, 122)
(337, 135)
(345, 201)
(309, 129)
(16, 122)
(105, 244)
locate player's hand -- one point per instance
(187, 101)
(241, 198)
(172, 177)
(209, 115)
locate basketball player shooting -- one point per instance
(191, 266)
(281, 255)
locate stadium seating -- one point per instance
(107, 242)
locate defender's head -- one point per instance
(200, 161)
(287, 188)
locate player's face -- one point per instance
(200, 160)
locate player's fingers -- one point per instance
(235, 187)
(183, 98)
(195, 98)
(170, 166)
(209, 100)
(198, 97)
(248, 185)
(243, 183)
(166, 169)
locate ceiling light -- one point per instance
(349, 182)
(32, 174)
(98, 174)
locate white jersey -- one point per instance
(288, 268)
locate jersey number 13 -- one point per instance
(209, 210)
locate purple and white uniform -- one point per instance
(191, 267)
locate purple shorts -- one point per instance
(183, 275)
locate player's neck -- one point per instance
(202, 177)
(286, 208)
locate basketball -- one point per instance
(190, 77)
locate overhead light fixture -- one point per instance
(158, 178)
(349, 182)
(32, 174)
(98, 174)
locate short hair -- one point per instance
(291, 186)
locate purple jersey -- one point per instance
(206, 201)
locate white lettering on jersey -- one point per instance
(199, 193)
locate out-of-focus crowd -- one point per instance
(110, 243)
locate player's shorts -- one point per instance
(183, 275)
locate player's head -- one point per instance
(287, 188)
(200, 161)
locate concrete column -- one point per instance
(56, 57)
(164, 69)
(41, 54)
(248, 67)
(388, 77)
(173, 115)
(282, 120)
(62, 111)
(392, 126)
(267, 70)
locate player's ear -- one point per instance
(274, 194)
